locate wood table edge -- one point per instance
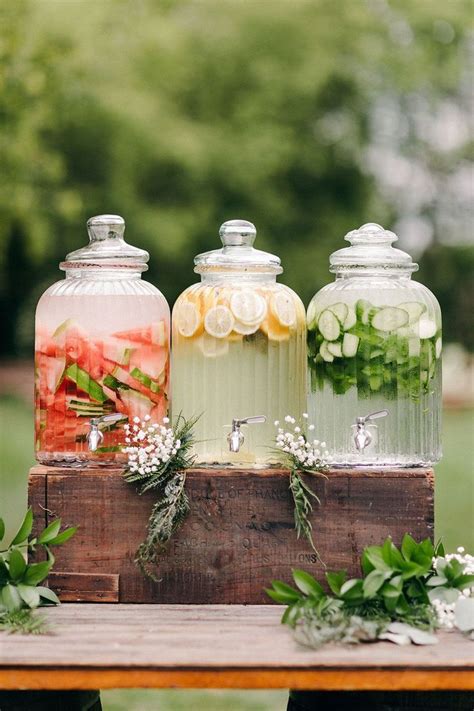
(337, 679)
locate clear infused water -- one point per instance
(237, 375)
(375, 349)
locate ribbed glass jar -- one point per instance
(239, 350)
(374, 346)
(101, 352)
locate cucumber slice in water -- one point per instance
(438, 347)
(340, 310)
(312, 317)
(325, 353)
(427, 328)
(351, 319)
(335, 349)
(414, 309)
(364, 311)
(350, 343)
(389, 319)
(329, 326)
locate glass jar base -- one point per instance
(75, 460)
(386, 463)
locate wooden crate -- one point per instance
(239, 534)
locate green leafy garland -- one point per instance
(20, 589)
(158, 457)
(393, 599)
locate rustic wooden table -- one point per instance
(100, 646)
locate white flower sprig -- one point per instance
(158, 456)
(308, 454)
(301, 454)
(150, 446)
(450, 603)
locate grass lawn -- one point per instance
(454, 516)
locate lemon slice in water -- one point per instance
(219, 322)
(283, 307)
(245, 329)
(188, 319)
(248, 307)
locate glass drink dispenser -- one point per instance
(101, 352)
(374, 355)
(239, 353)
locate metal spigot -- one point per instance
(362, 435)
(94, 437)
(235, 437)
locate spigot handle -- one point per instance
(257, 419)
(108, 419)
(376, 415)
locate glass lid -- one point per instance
(371, 247)
(237, 253)
(107, 245)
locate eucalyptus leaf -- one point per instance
(464, 613)
(448, 595)
(416, 635)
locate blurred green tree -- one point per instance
(180, 114)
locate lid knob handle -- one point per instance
(237, 233)
(103, 227)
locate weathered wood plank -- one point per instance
(218, 646)
(239, 534)
(80, 587)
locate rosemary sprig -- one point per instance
(296, 451)
(302, 494)
(165, 474)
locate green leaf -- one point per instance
(307, 584)
(464, 581)
(282, 593)
(2, 529)
(37, 572)
(413, 570)
(16, 564)
(29, 595)
(291, 614)
(391, 555)
(11, 598)
(408, 546)
(391, 595)
(436, 580)
(352, 590)
(50, 532)
(48, 595)
(373, 582)
(63, 536)
(365, 563)
(336, 580)
(25, 528)
(374, 555)
(439, 550)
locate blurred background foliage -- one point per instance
(307, 117)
